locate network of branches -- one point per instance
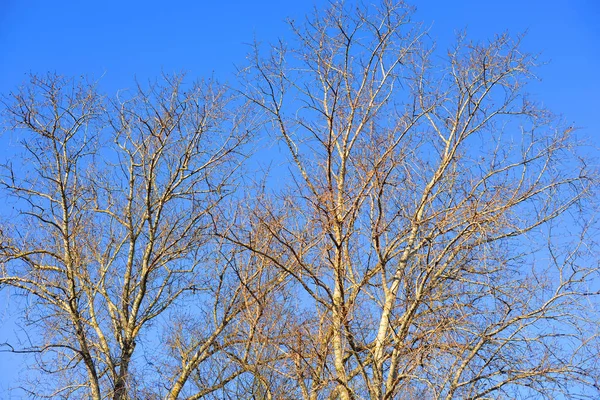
(416, 227)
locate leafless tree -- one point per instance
(116, 207)
(430, 235)
(438, 225)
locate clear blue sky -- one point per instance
(120, 40)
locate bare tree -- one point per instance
(433, 236)
(116, 209)
(425, 226)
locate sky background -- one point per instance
(119, 41)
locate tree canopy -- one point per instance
(419, 227)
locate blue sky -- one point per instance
(123, 40)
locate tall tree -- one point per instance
(114, 227)
(431, 235)
(425, 222)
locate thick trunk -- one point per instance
(120, 388)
